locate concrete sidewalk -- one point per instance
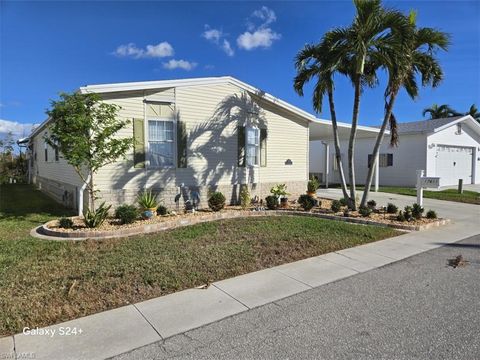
(120, 330)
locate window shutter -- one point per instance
(241, 153)
(263, 147)
(370, 160)
(139, 144)
(390, 160)
(181, 144)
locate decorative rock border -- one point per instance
(45, 232)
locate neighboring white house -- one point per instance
(448, 148)
(206, 133)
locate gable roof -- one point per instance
(433, 125)
(165, 84)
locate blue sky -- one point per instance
(48, 47)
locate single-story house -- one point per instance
(448, 148)
(206, 134)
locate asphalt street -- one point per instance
(418, 308)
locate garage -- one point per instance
(454, 163)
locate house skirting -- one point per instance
(116, 197)
(63, 193)
(67, 194)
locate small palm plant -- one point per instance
(148, 202)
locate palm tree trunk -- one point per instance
(336, 141)
(351, 144)
(376, 149)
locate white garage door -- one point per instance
(454, 163)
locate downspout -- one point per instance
(80, 195)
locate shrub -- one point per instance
(216, 202)
(401, 216)
(417, 211)
(245, 198)
(279, 190)
(407, 213)
(392, 208)
(343, 201)
(431, 214)
(147, 200)
(65, 222)
(95, 218)
(336, 206)
(365, 211)
(372, 204)
(126, 213)
(313, 185)
(306, 202)
(272, 202)
(162, 210)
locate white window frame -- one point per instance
(173, 141)
(247, 145)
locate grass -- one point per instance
(469, 197)
(46, 282)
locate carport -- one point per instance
(322, 130)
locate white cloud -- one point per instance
(266, 15)
(163, 49)
(259, 38)
(18, 129)
(179, 64)
(215, 36)
(261, 35)
(227, 48)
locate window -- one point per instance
(459, 129)
(46, 151)
(56, 151)
(253, 146)
(384, 160)
(160, 143)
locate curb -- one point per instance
(46, 233)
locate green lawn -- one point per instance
(469, 197)
(45, 282)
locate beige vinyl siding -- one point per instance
(211, 141)
(54, 170)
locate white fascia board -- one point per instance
(472, 122)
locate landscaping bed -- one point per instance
(46, 282)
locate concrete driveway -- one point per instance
(461, 214)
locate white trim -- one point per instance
(247, 144)
(476, 125)
(165, 84)
(174, 142)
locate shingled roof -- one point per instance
(424, 126)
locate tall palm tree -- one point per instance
(365, 42)
(314, 61)
(473, 112)
(415, 58)
(439, 111)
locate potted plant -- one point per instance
(148, 203)
(280, 193)
(312, 186)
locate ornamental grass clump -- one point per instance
(95, 218)
(147, 200)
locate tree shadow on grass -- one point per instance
(23, 202)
